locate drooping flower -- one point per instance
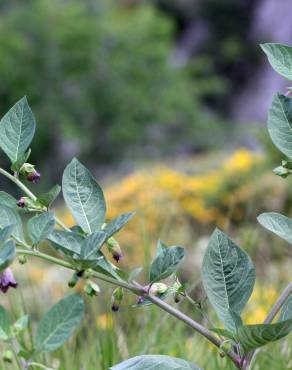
(34, 177)
(21, 202)
(7, 280)
(115, 249)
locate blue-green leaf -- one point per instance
(9, 216)
(280, 123)
(48, 198)
(41, 226)
(286, 311)
(254, 336)
(117, 223)
(278, 224)
(7, 200)
(280, 58)
(228, 277)
(59, 323)
(166, 263)
(69, 242)
(4, 324)
(17, 129)
(155, 362)
(5, 233)
(83, 197)
(7, 254)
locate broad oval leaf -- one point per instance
(17, 129)
(41, 226)
(255, 336)
(166, 263)
(91, 246)
(280, 123)
(5, 233)
(286, 311)
(9, 216)
(228, 277)
(7, 254)
(59, 323)
(117, 223)
(7, 200)
(155, 362)
(278, 224)
(83, 197)
(280, 58)
(68, 242)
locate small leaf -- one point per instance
(16, 166)
(107, 268)
(68, 242)
(228, 277)
(17, 129)
(7, 200)
(280, 123)
(89, 252)
(286, 311)
(41, 226)
(59, 323)
(8, 217)
(166, 263)
(278, 224)
(224, 333)
(7, 254)
(83, 197)
(5, 233)
(48, 198)
(21, 324)
(153, 362)
(4, 324)
(280, 58)
(160, 247)
(117, 223)
(134, 274)
(255, 336)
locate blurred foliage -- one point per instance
(99, 75)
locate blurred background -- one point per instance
(166, 102)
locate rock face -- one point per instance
(271, 22)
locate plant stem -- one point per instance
(275, 309)
(28, 193)
(138, 290)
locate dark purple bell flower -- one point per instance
(21, 202)
(7, 280)
(34, 177)
(117, 256)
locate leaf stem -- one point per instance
(30, 194)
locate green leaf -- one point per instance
(7, 254)
(286, 311)
(4, 324)
(254, 336)
(41, 226)
(68, 242)
(16, 166)
(134, 274)
(7, 200)
(224, 333)
(280, 123)
(107, 268)
(91, 246)
(48, 198)
(21, 324)
(160, 247)
(17, 129)
(5, 233)
(59, 323)
(228, 277)
(280, 58)
(166, 263)
(155, 362)
(83, 197)
(9, 216)
(278, 224)
(116, 224)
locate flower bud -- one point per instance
(7, 280)
(114, 248)
(74, 280)
(22, 259)
(21, 203)
(91, 288)
(158, 289)
(117, 298)
(8, 356)
(30, 172)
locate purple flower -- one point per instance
(7, 280)
(117, 256)
(34, 177)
